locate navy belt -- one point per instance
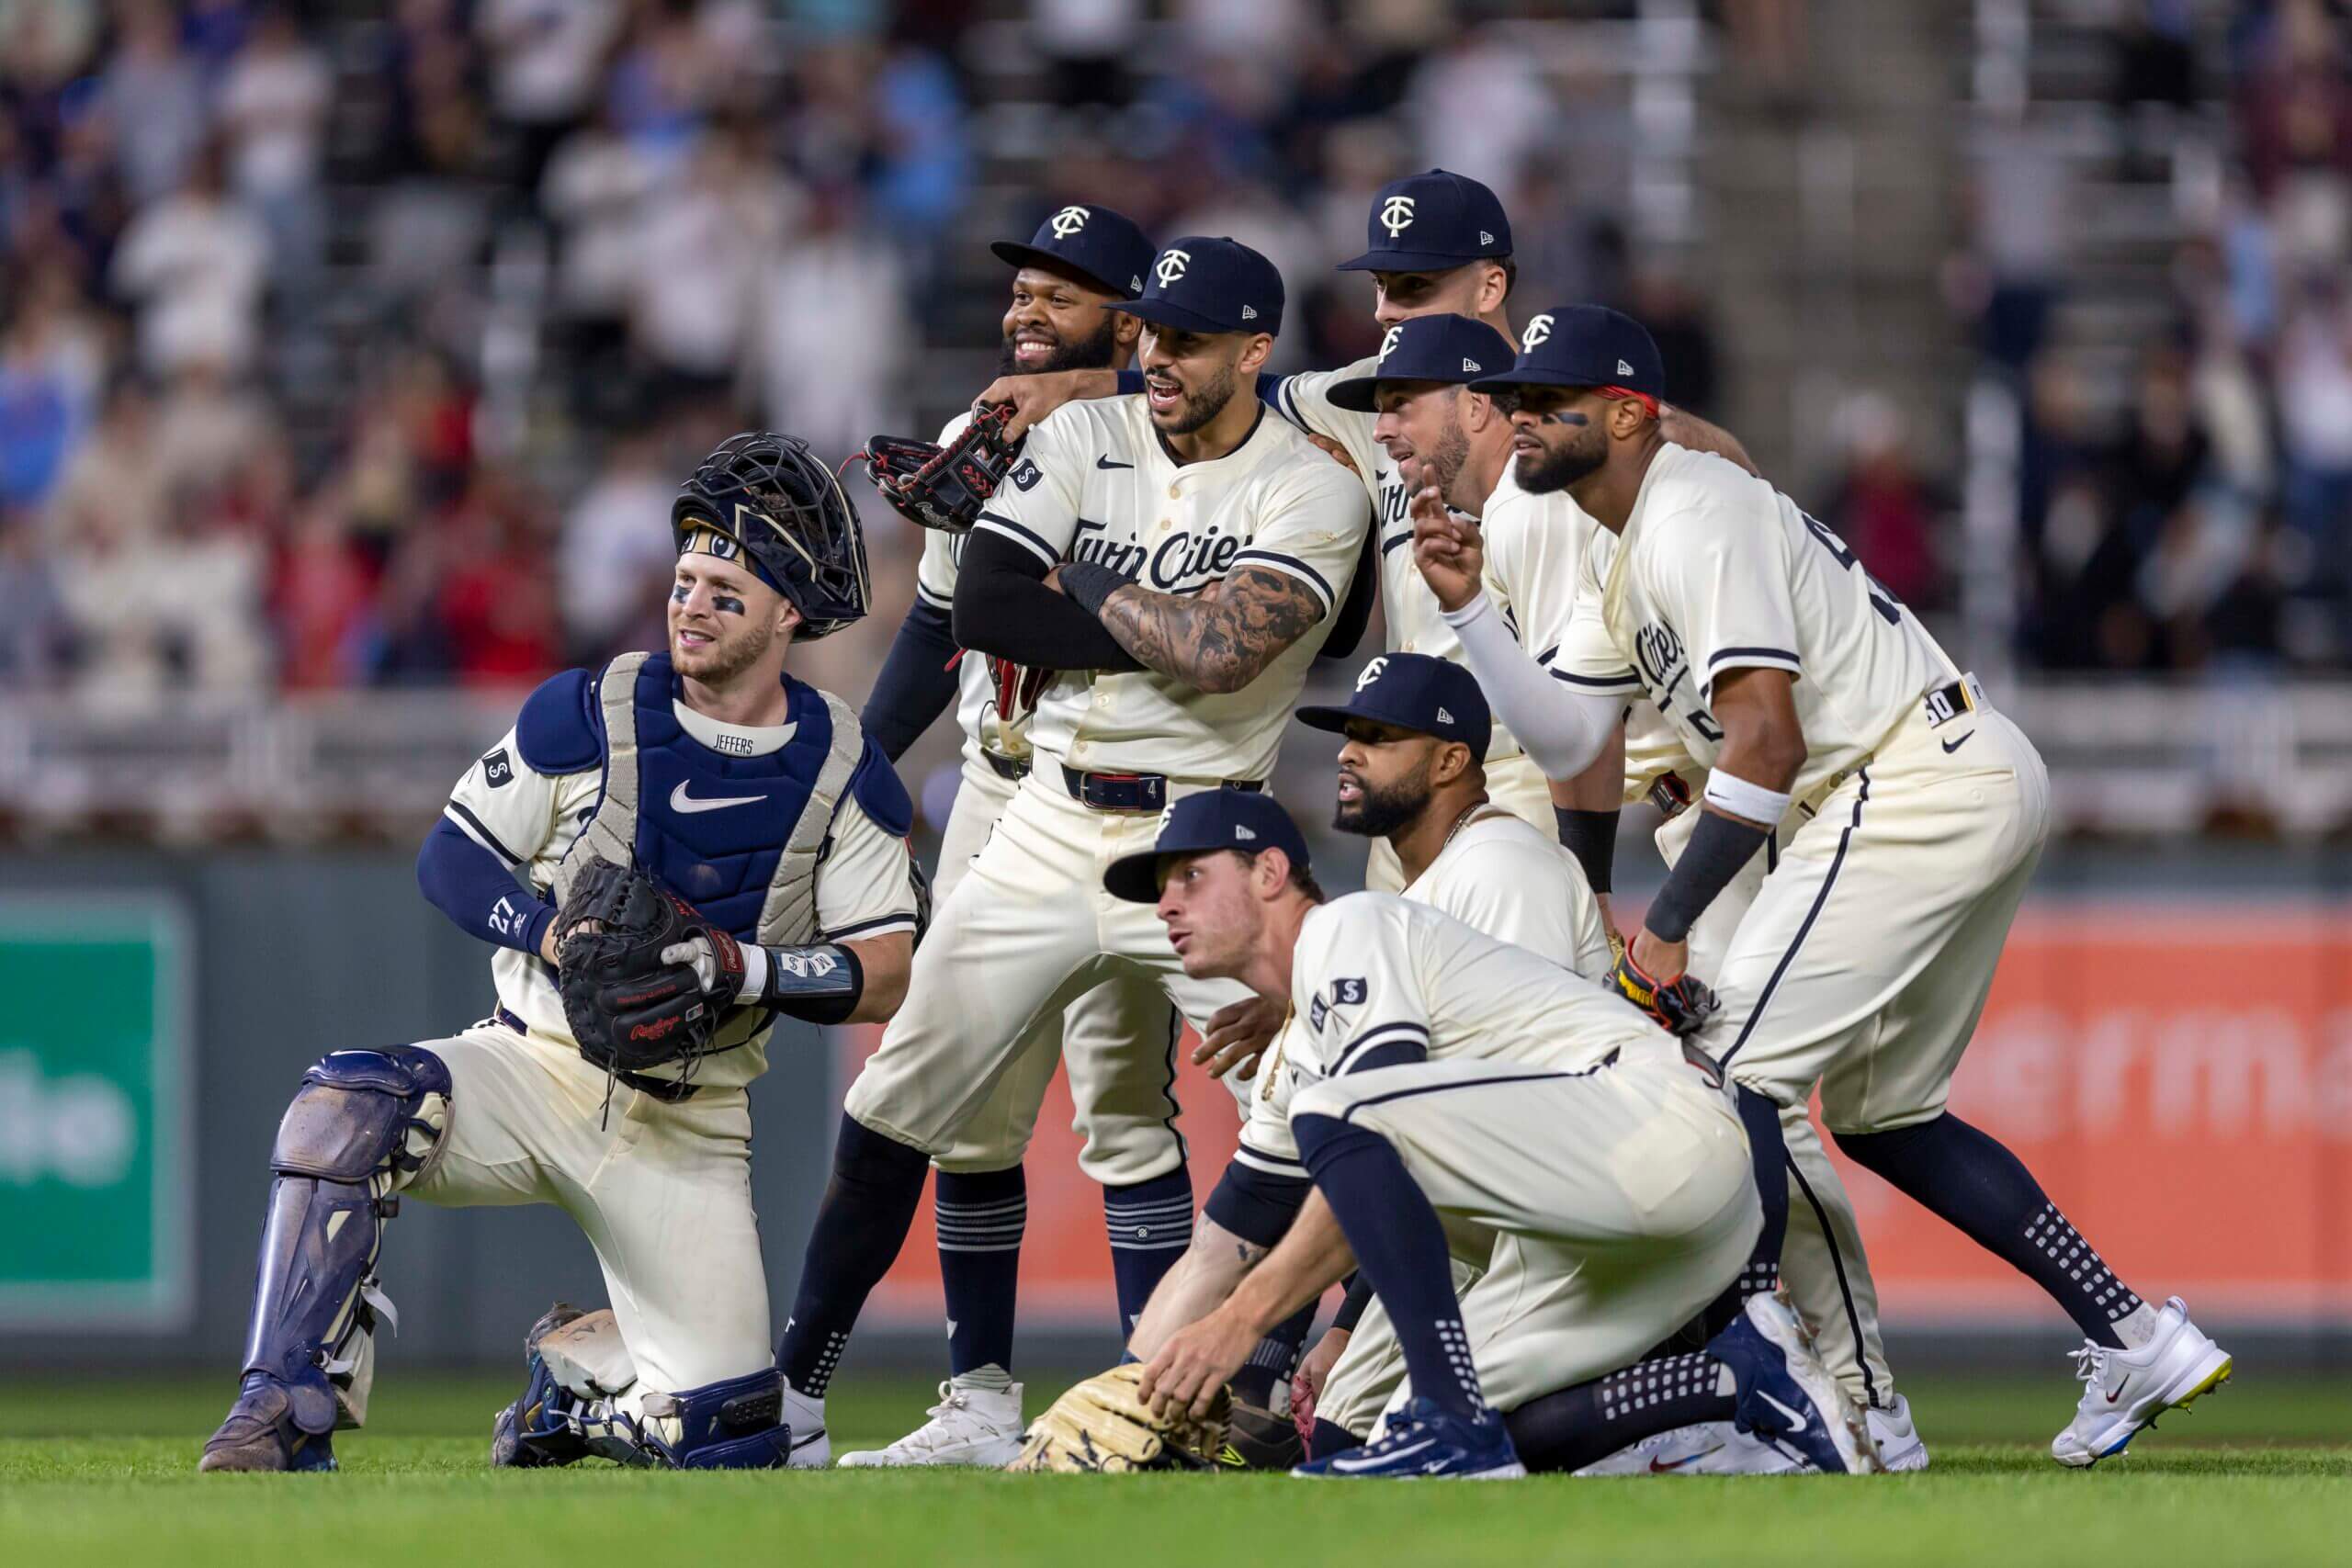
(670, 1092)
(1130, 792)
(1013, 767)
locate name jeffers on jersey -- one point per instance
(1178, 564)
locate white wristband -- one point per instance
(1753, 802)
(756, 972)
(1478, 605)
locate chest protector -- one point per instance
(737, 837)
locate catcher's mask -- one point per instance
(766, 501)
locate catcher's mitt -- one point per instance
(628, 1009)
(1678, 1005)
(1103, 1427)
(943, 487)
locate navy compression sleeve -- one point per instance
(474, 887)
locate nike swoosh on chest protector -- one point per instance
(687, 805)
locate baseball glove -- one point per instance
(943, 487)
(1103, 1427)
(628, 1009)
(1678, 1005)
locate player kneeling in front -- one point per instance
(1454, 1092)
(610, 1081)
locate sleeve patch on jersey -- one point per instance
(875, 785)
(1025, 477)
(498, 769)
(554, 732)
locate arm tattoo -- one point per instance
(1219, 644)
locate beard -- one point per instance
(1199, 408)
(1376, 813)
(1556, 468)
(1091, 352)
(723, 660)
(1444, 463)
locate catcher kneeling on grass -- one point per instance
(1454, 1095)
(669, 854)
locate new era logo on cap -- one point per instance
(1471, 367)
(1249, 312)
(1241, 834)
(1623, 369)
(1443, 717)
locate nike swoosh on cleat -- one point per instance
(1796, 1421)
(1369, 1460)
(1657, 1469)
(2119, 1391)
(1951, 746)
(1106, 463)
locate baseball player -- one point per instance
(1453, 1094)
(1799, 681)
(1119, 1038)
(1176, 557)
(1436, 243)
(740, 822)
(1411, 772)
(1454, 447)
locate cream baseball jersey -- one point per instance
(1407, 605)
(1544, 568)
(1095, 483)
(976, 711)
(1716, 571)
(1500, 876)
(528, 819)
(1380, 980)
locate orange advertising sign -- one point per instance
(2179, 1077)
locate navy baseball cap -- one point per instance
(1415, 692)
(1432, 222)
(1453, 349)
(1584, 345)
(1248, 820)
(1200, 284)
(1103, 246)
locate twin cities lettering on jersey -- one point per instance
(1658, 656)
(1177, 564)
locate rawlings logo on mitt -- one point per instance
(943, 487)
(628, 1009)
(1102, 1427)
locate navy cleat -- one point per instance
(536, 1430)
(260, 1433)
(1423, 1442)
(1787, 1398)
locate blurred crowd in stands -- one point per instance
(2202, 520)
(354, 345)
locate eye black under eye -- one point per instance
(727, 604)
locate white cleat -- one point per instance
(1751, 1453)
(974, 1427)
(2124, 1391)
(1900, 1447)
(812, 1449)
(1665, 1453)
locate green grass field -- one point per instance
(2256, 1473)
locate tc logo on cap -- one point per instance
(1388, 343)
(1372, 672)
(1537, 331)
(1069, 221)
(1170, 267)
(1397, 215)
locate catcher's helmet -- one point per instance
(795, 527)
